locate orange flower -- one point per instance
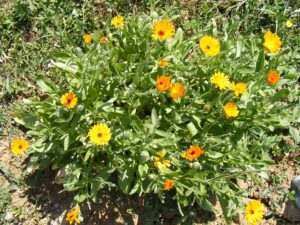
(163, 83)
(168, 185)
(69, 100)
(73, 216)
(273, 77)
(177, 90)
(193, 153)
(231, 110)
(103, 40)
(87, 38)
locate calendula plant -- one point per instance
(146, 108)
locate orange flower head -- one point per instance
(73, 216)
(103, 40)
(177, 90)
(168, 185)
(69, 100)
(87, 38)
(194, 152)
(273, 77)
(231, 110)
(163, 83)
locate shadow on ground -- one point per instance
(113, 208)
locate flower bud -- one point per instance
(145, 155)
(196, 165)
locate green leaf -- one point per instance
(295, 133)
(260, 61)
(126, 178)
(66, 142)
(192, 129)
(87, 155)
(154, 117)
(282, 94)
(46, 86)
(205, 204)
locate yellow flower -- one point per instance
(118, 21)
(231, 110)
(19, 145)
(163, 83)
(73, 216)
(100, 134)
(159, 162)
(238, 88)
(168, 185)
(177, 90)
(103, 40)
(255, 211)
(194, 152)
(69, 100)
(163, 63)
(272, 43)
(87, 38)
(209, 46)
(163, 29)
(220, 80)
(289, 24)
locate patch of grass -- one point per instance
(4, 203)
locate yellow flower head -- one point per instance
(272, 43)
(231, 110)
(255, 211)
(87, 38)
(220, 80)
(163, 63)
(168, 185)
(177, 90)
(273, 77)
(163, 29)
(19, 145)
(73, 216)
(100, 134)
(289, 24)
(209, 46)
(238, 88)
(103, 40)
(193, 153)
(163, 83)
(159, 162)
(69, 100)
(118, 21)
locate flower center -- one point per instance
(193, 152)
(20, 146)
(99, 135)
(251, 212)
(69, 101)
(207, 47)
(161, 33)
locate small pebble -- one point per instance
(8, 216)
